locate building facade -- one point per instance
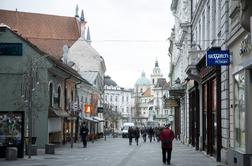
(148, 99)
(201, 26)
(118, 105)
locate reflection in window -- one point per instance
(10, 129)
(239, 108)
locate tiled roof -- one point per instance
(48, 32)
(147, 93)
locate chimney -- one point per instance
(65, 54)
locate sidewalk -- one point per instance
(115, 152)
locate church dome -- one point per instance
(109, 82)
(143, 81)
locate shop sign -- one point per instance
(218, 58)
(170, 103)
(245, 45)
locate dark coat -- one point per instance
(167, 135)
(137, 132)
(84, 131)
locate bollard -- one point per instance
(49, 148)
(11, 153)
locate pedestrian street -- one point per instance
(115, 152)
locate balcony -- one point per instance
(193, 59)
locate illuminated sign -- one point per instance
(218, 58)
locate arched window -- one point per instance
(50, 94)
(59, 94)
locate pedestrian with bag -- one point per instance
(83, 133)
(166, 137)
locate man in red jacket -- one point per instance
(166, 138)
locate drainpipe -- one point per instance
(65, 94)
(77, 121)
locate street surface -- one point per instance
(115, 152)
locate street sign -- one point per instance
(217, 58)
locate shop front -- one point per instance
(240, 152)
(12, 132)
(211, 108)
(194, 116)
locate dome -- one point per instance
(143, 81)
(109, 82)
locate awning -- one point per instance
(98, 118)
(90, 119)
(54, 112)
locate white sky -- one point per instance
(128, 34)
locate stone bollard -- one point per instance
(49, 148)
(11, 153)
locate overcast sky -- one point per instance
(129, 34)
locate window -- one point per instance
(122, 99)
(127, 99)
(111, 98)
(239, 110)
(115, 98)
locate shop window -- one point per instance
(239, 110)
(11, 131)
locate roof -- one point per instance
(48, 32)
(90, 76)
(81, 52)
(109, 82)
(143, 81)
(147, 93)
(58, 63)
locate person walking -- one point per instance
(137, 135)
(166, 137)
(83, 133)
(143, 133)
(150, 133)
(130, 134)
